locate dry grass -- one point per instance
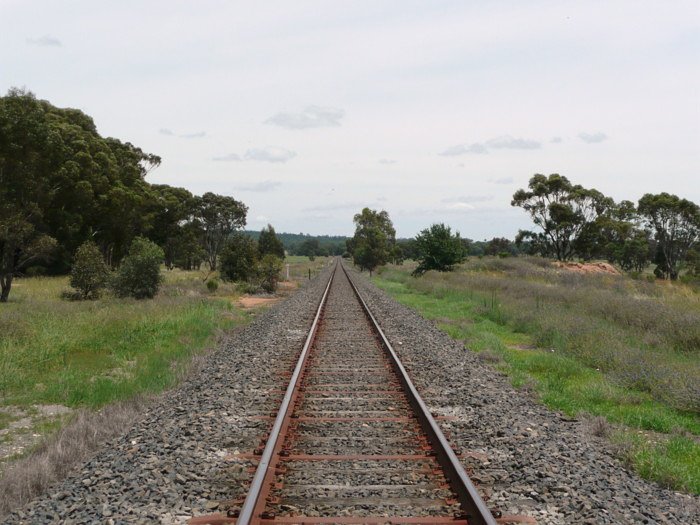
(645, 335)
(599, 426)
(58, 454)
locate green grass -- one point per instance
(562, 380)
(90, 353)
(300, 265)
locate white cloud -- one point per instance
(45, 41)
(467, 199)
(231, 157)
(264, 186)
(508, 142)
(502, 180)
(269, 154)
(169, 133)
(502, 142)
(463, 149)
(556, 140)
(592, 138)
(311, 117)
(196, 135)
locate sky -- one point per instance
(436, 111)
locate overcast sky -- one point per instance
(436, 111)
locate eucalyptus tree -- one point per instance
(676, 226)
(220, 216)
(562, 210)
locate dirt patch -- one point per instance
(24, 428)
(599, 267)
(249, 302)
(287, 286)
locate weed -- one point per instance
(584, 344)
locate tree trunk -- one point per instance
(5, 285)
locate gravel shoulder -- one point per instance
(528, 460)
(181, 459)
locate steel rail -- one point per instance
(477, 512)
(256, 486)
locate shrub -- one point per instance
(139, 275)
(238, 258)
(269, 272)
(89, 274)
(439, 249)
(212, 285)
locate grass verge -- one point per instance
(100, 358)
(659, 441)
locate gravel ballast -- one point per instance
(528, 460)
(182, 457)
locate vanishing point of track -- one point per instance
(353, 442)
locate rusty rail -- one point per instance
(476, 510)
(257, 490)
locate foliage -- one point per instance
(20, 244)
(438, 249)
(296, 243)
(220, 216)
(500, 246)
(572, 338)
(268, 242)
(268, 272)
(90, 273)
(138, 275)
(676, 225)
(74, 183)
(89, 353)
(310, 247)
(212, 285)
(239, 258)
(562, 210)
(175, 226)
(374, 239)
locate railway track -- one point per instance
(353, 441)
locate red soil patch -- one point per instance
(254, 302)
(599, 267)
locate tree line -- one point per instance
(572, 222)
(63, 184)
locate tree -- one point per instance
(268, 272)
(90, 273)
(310, 248)
(138, 275)
(220, 217)
(532, 243)
(173, 210)
(561, 210)
(374, 239)
(20, 245)
(239, 258)
(438, 249)
(500, 246)
(60, 176)
(268, 242)
(676, 226)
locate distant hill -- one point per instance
(327, 244)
